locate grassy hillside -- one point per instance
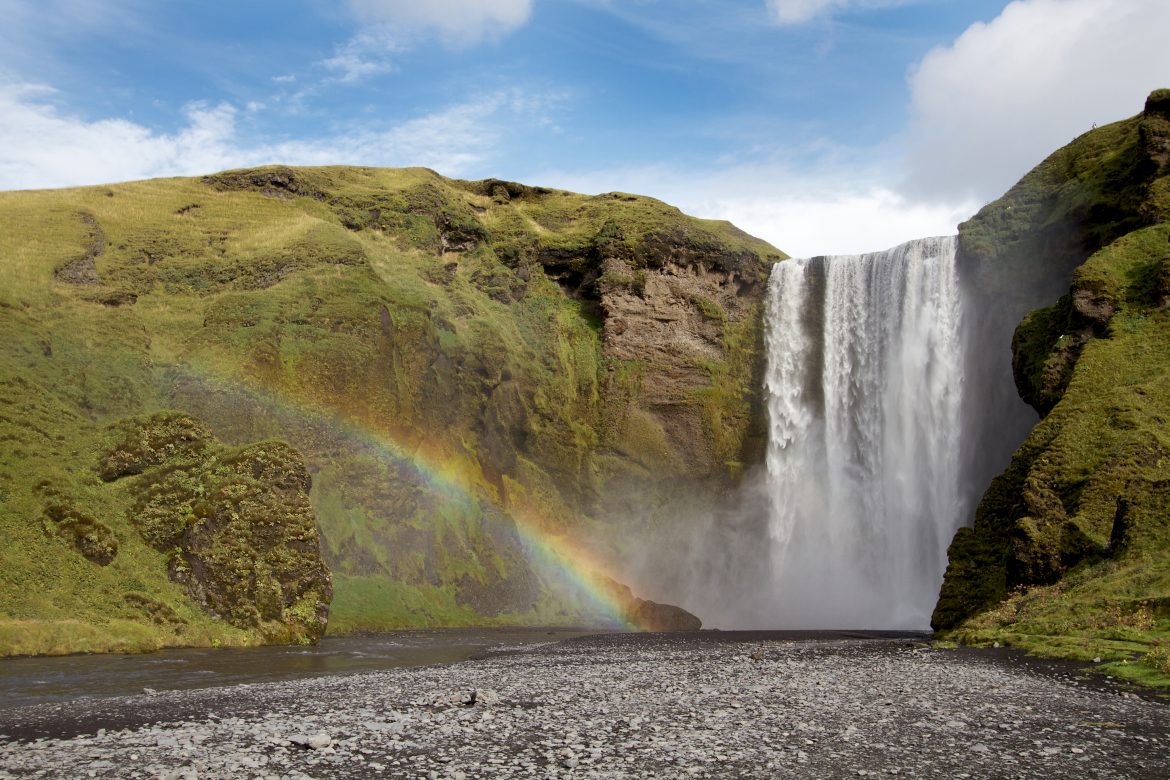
(463, 366)
(1070, 551)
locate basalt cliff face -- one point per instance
(442, 377)
(1070, 548)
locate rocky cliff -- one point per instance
(1068, 552)
(472, 381)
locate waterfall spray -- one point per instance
(863, 382)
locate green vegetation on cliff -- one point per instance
(1070, 551)
(460, 365)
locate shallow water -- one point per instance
(25, 681)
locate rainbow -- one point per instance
(576, 567)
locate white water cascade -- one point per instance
(863, 382)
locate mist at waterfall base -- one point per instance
(891, 406)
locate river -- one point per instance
(25, 681)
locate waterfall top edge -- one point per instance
(890, 250)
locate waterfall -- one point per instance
(863, 385)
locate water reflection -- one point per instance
(25, 681)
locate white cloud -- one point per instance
(396, 26)
(837, 221)
(994, 103)
(792, 12)
(799, 11)
(804, 213)
(458, 22)
(365, 55)
(41, 146)
(986, 108)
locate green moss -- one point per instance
(368, 603)
(1103, 611)
(392, 325)
(142, 444)
(235, 524)
(708, 308)
(1067, 554)
(730, 420)
(94, 540)
(1044, 348)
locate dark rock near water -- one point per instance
(648, 615)
(652, 616)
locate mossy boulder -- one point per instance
(252, 554)
(92, 539)
(237, 524)
(141, 444)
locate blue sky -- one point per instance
(821, 125)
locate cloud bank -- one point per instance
(803, 212)
(984, 110)
(836, 220)
(41, 146)
(993, 104)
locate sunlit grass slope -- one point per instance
(433, 348)
(1070, 552)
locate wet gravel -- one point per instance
(620, 706)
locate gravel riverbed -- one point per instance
(619, 706)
